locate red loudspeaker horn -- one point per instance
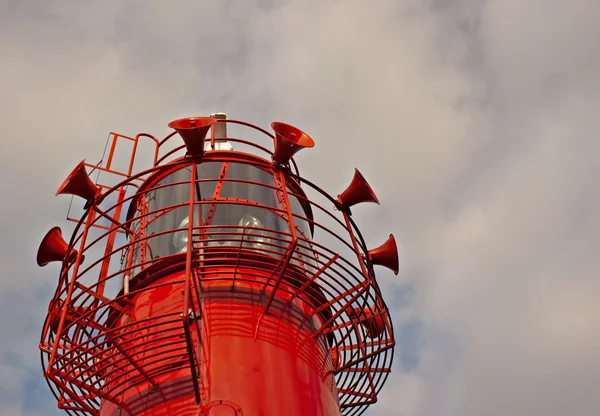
(193, 131)
(359, 191)
(336, 358)
(373, 325)
(54, 248)
(386, 255)
(72, 314)
(79, 183)
(288, 141)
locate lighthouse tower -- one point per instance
(214, 281)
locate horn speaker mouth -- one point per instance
(288, 141)
(79, 183)
(193, 131)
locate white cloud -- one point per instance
(474, 121)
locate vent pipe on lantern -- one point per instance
(220, 133)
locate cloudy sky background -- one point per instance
(476, 122)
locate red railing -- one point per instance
(86, 341)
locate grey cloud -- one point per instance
(474, 121)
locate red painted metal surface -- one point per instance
(260, 363)
(195, 287)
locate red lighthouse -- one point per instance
(215, 281)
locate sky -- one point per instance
(474, 121)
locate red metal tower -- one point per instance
(195, 287)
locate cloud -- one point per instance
(474, 122)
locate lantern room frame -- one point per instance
(84, 341)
